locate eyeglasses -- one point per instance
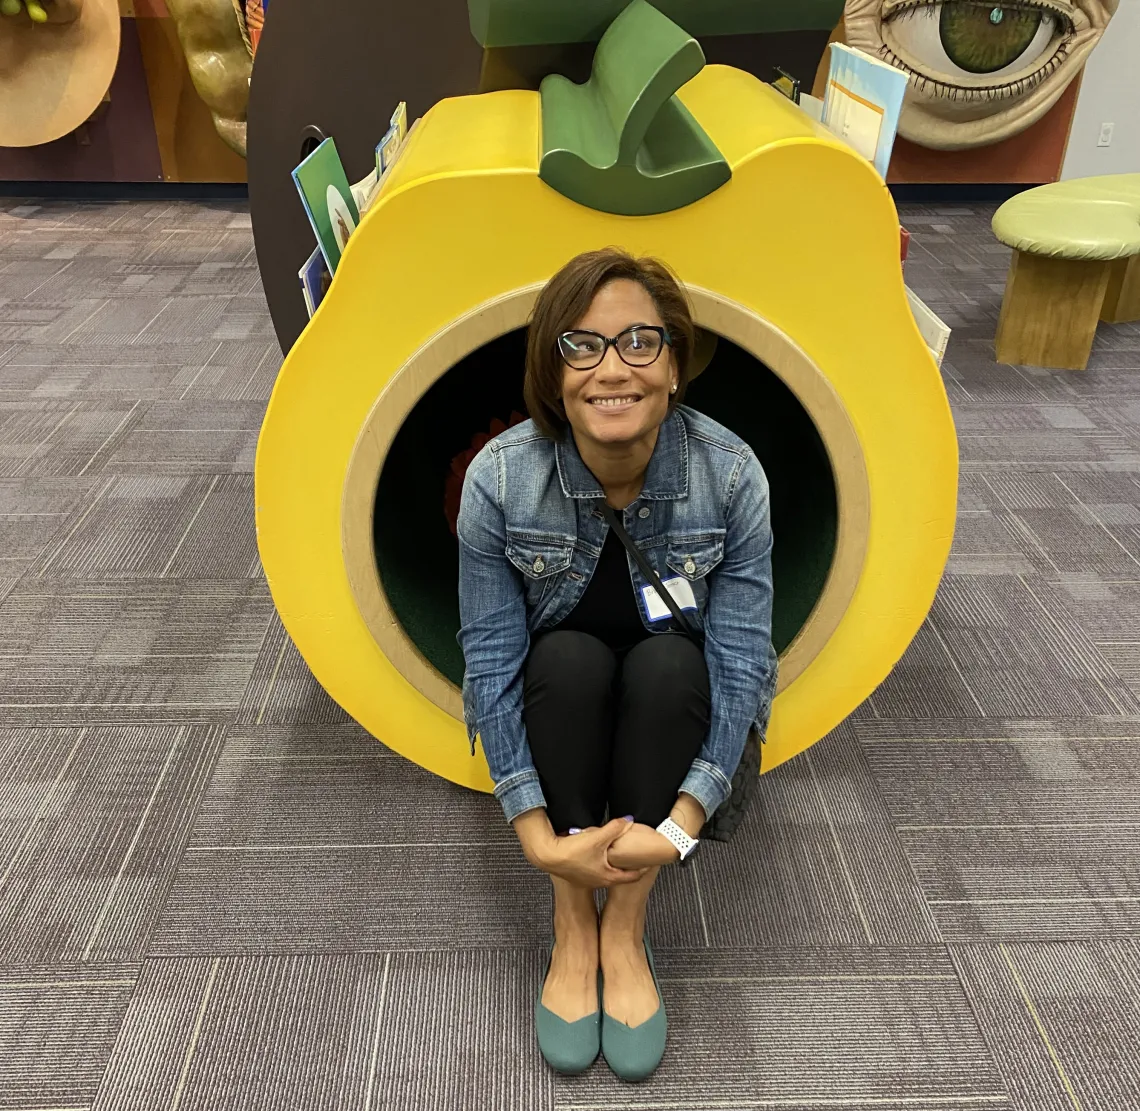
(636, 346)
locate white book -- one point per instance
(863, 102)
(931, 327)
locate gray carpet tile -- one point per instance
(189, 437)
(1047, 780)
(24, 535)
(120, 320)
(303, 827)
(1021, 832)
(457, 1032)
(236, 371)
(1029, 881)
(1062, 1020)
(297, 1032)
(158, 527)
(58, 1025)
(325, 898)
(60, 437)
(984, 544)
(1075, 524)
(1002, 646)
(282, 689)
(807, 1029)
(210, 370)
(817, 862)
(982, 796)
(42, 497)
(101, 817)
(1109, 612)
(82, 652)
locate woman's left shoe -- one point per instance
(634, 1052)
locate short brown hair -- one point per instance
(567, 297)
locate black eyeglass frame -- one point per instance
(612, 341)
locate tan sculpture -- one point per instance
(980, 72)
(55, 71)
(217, 48)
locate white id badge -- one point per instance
(682, 594)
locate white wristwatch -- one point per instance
(683, 842)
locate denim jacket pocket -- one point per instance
(693, 558)
(541, 560)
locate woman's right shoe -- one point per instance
(569, 1047)
(634, 1052)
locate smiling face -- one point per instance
(614, 403)
(980, 72)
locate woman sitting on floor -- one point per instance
(591, 692)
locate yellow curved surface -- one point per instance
(805, 235)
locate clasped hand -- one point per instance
(602, 856)
(621, 851)
(641, 846)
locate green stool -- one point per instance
(1076, 262)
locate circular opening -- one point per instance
(417, 556)
(311, 138)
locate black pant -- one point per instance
(613, 728)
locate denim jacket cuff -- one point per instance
(708, 785)
(520, 792)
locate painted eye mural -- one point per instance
(980, 72)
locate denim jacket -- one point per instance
(530, 535)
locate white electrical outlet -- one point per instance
(1105, 138)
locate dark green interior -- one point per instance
(417, 557)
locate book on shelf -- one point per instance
(328, 200)
(863, 102)
(315, 280)
(399, 120)
(388, 148)
(362, 190)
(932, 328)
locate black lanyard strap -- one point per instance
(614, 520)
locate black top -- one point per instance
(609, 610)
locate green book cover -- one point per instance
(328, 201)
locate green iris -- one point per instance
(985, 37)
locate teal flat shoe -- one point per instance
(633, 1052)
(569, 1047)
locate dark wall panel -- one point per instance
(344, 75)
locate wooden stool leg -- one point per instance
(1122, 299)
(1050, 311)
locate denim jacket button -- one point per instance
(539, 565)
(690, 566)
(643, 512)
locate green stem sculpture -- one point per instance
(623, 142)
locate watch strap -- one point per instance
(683, 843)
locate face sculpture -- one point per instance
(980, 72)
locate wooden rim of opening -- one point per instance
(512, 310)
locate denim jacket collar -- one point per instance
(666, 479)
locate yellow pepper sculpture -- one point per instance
(788, 242)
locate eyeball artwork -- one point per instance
(979, 72)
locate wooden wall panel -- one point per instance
(1033, 157)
